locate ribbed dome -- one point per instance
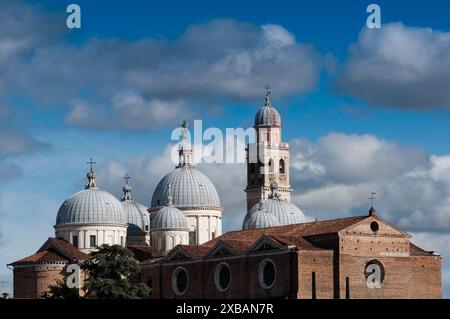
(286, 213)
(138, 217)
(169, 218)
(260, 219)
(91, 206)
(190, 188)
(267, 115)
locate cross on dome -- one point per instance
(91, 163)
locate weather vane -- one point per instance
(267, 87)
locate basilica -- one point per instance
(278, 253)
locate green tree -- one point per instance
(60, 291)
(108, 273)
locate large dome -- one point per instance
(267, 115)
(91, 206)
(190, 188)
(285, 213)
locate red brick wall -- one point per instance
(32, 281)
(405, 277)
(321, 263)
(244, 277)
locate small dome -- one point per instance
(267, 115)
(91, 206)
(286, 213)
(169, 217)
(260, 219)
(138, 217)
(190, 187)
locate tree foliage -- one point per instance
(108, 273)
(60, 291)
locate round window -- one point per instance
(222, 276)
(374, 273)
(180, 281)
(267, 273)
(374, 226)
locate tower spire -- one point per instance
(266, 99)
(91, 175)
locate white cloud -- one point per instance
(336, 175)
(127, 111)
(399, 66)
(219, 60)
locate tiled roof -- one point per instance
(417, 251)
(196, 251)
(141, 252)
(41, 256)
(303, 229)
(299, 242)
(54, 250)
(66, 248)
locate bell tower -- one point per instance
(267, 158)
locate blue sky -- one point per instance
(115, 89)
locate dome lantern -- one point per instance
(126, 189)
(91, 176)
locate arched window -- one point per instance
(282, 166)
(159, 243)
(271, 166)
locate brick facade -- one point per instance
(327, 259)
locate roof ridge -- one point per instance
(312, 222)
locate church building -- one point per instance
(278, 253)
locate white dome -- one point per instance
(138, 217)
(91, 206)
(261, 219)
(267, 115)
(190, 188)
(169, 218)
(286, 213)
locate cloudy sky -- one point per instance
(364, 110)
